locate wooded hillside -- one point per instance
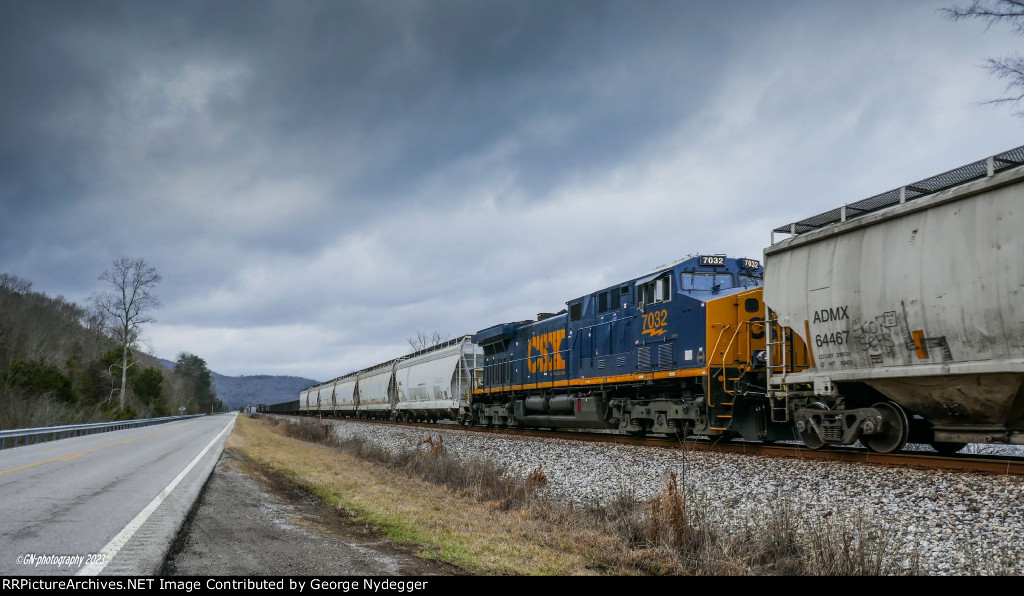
(58, 365)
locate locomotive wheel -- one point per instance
(809, 437)
(897, 429)
(947, 448)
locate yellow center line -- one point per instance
(80, 453)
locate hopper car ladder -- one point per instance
(776, 339)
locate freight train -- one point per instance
(893, 319)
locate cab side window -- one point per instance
(655, 291)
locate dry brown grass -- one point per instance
(479, 536)
(498, 516)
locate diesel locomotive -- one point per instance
(678, 351)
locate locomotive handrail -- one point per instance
(711, 363)
(739, 329)
(728, 347)
(711, 356)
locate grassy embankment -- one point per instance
(475, 516)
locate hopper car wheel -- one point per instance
(947, 448)
(809, 437)
(897, 429)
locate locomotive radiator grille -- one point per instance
(643, 358)
(665, 356)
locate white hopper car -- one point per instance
(431, 384)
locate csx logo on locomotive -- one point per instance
(543, 354)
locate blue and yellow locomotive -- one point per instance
(678, 351)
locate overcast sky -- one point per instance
(317, 181)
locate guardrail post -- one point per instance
(990, 166)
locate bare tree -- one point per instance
(126, 308)
(1010, 68)
(13, 283)
(423, 340)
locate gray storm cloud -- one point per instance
(317, 181)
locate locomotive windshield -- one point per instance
(749, 281)
(705, 280)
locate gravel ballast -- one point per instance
(961, 523)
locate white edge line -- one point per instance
(117, 542)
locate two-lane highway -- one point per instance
(104, 503)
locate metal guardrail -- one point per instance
(30, 436)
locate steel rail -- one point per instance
(961, 462)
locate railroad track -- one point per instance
(984, 464)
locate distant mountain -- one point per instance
(241, 391)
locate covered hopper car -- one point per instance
(911, 306)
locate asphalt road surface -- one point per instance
(109, 503)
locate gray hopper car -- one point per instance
(912, 313)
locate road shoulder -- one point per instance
(251, 523)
